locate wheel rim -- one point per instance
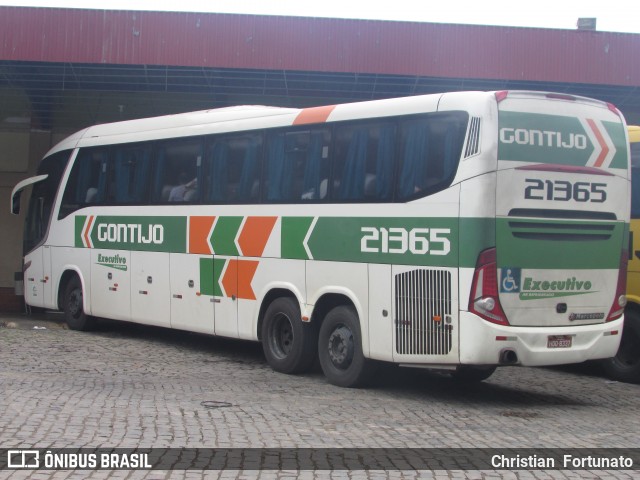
(341, 347)
(75, 302)
(281, 336)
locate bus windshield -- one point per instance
(42, 198)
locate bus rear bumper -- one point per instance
(484, 343)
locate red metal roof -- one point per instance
(318, 44)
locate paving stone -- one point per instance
(131, 386)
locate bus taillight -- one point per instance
(484, 299)
(501, 95)
(613, 108)
(620, 298)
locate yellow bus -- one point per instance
(625, 366)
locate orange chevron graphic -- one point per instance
(314, 115)
(199, 230)
(603, 144)
(87, 239)
(238, 277)
(255, 235)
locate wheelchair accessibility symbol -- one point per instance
(509, 280)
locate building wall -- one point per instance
(20, 152)
(455, 54)
(318, 44)
(23, 144)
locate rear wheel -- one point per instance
(73, 306)
(340, 349)
(471, 373)
(625, 366)
(289, 345)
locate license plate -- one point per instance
(559, 341)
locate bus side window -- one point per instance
(131, 173)
(384, 164)
(248, 190)
(296, 166)
(279, 164)
(429, 153)
(315, 181)
(233, 167)
(87, 183)
(178, 171)
(413, 157)
(216, 161)
(350, 163)
(363, 169)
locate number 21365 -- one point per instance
(418, 241)
(564, 191)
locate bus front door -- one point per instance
(192, 292)
(150, 302)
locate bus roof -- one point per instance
(124, 131)
(251, 117)
(226, 114)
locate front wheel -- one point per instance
(74, 313)
(340, 349)
(288, 344)
(625, 366)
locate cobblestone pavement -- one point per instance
(132, 386)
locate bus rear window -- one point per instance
(430, 148)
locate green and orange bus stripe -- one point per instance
(233, 236)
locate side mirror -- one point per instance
(17, 191)
(15, 202)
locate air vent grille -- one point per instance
(553, 225)
(473, 138)
(423, 312)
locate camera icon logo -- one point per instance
(23, 459)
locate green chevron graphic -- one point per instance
(224, 234)
(210, 272)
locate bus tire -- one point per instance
(625, 366)
(340, 349)
(73, 307)
(288, 344)
(472, 374)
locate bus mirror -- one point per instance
(17, 191)
(15, 202)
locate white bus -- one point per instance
(459, 231)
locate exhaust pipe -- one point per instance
(508, 357)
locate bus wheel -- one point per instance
(289, 345)
(340, 349)
(625, 366)
(73, 307)
(469, 373)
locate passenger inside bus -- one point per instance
(186, 189)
